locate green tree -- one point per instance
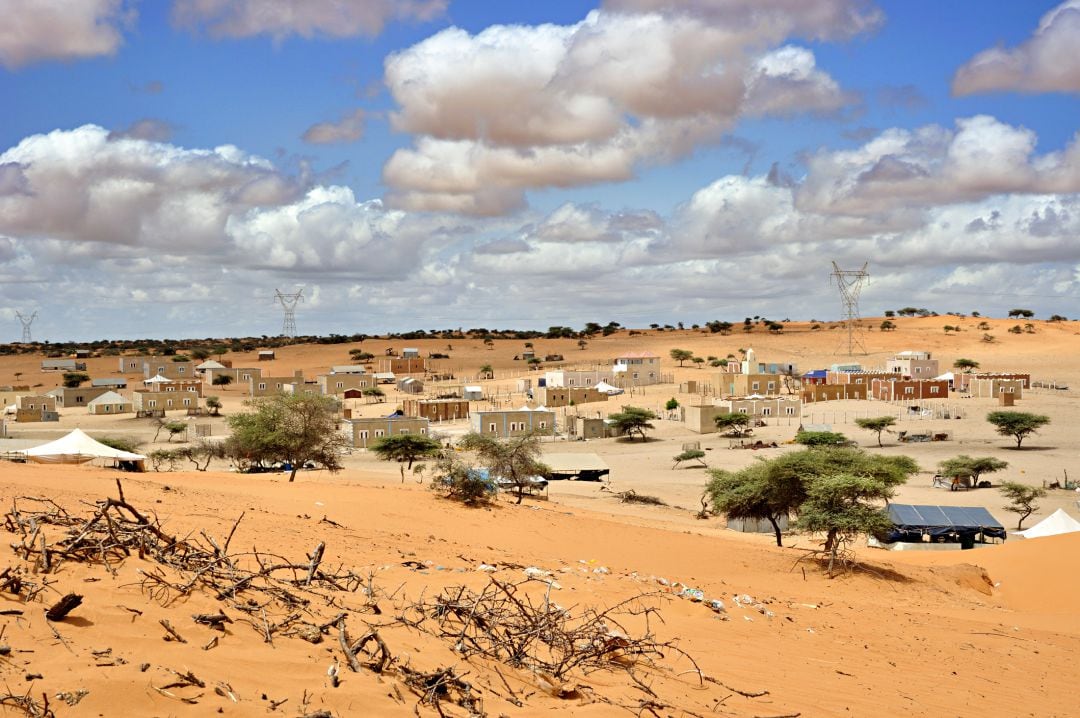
(199, 354)
(672, 404)
(291, 428)
(965, 365)
(73, 379)
(460, 481)
(964, 466)
(172, 428)
(487, 372)
(517, 459)
(698, 360)
(222, 380)
(762, 490)
(681, 355)
(373, 392)
(1022, 499)
(1017, 424)
(878, 424)
(405, 448)
(632, 420)
(690, 455)
(732, 421)
(843, 506)
(213, 403)
(582, 344)
(887, 326)
(820, 438)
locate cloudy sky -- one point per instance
(166, 165)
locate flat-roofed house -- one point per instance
(110, 383)
(914, 365)
(271, 385)
(811, 393)
(164, 366)
(160, 401)
(436, 409)
(555, 397)
(62, 365)
(508, 423)
(366, 431)
(340, 383)
(909, 389)
(36, 407)
(67, 397)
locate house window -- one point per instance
(340, 384)
(772, 385)
(378, 433)
(492, 429)
(78, 400)
(180, 369)
(404, 431)
(909, 390)
(543, 424)
(766, 411)
(742, 410)
(934, 389)
(790, 411)
(187, 402)
(262, 385)
(859, 380)
(755, 386)
(363, 436)
(152, 403)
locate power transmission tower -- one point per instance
(26, 322)
(288, 303)
(850, 282)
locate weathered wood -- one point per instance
(63, 607)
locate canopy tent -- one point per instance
(79, 448)
(912, 522)
(210, 364)
(1055, 524)
(603, 386)
(582, 467)
(158, 379)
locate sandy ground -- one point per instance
(995, 630)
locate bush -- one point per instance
(222, 380)
(73, 379)
(122, 443)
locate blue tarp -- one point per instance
(912, 521)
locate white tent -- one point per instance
(603, 386)
(77, 448)
(210, 364)
(1056, 523)
(158, 379)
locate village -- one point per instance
(936, 408)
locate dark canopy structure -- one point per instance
(959, 523)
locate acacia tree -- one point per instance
(1017, 424)
(291, 428)
(681, 355)
(632, 420)
(965, 365)
(213, 403)
(732, 421)
(405, 448)
(964, 466)
(517, 459)
(877, 424)
(760, 491)
(1022, 499)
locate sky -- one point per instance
(167, 166)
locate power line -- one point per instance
(26, 322)
(288, 303)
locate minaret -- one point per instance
(749, 365)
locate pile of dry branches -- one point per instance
(502, 624)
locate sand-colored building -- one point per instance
(273, 385)
(636, 369)
(833, 392)
(62, 365)
(401, 365)
(36, 407)
(856, 377)
(436, 409)
(961, 380)
(743, 384)
(366, 431)
(131, 364)
(905, 389)
(340, 383)
(578, 377)
(164, 366)
(67, 397)
(410, 385)
(584, 427)
(914, 365)
(508, 423)
(993, 387)
(159, 401)
(237, 375)
(701, 419)
(555, 397)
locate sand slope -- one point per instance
(919, 639)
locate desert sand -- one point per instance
(996, 630)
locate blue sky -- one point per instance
(164, 166)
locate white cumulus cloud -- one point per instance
(37, 30)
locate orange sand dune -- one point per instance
(907, 638)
